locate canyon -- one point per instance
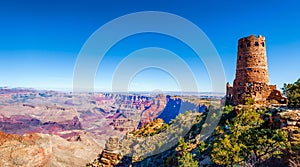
(51, 128)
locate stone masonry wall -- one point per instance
(252, 79)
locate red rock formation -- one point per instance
(22, 150)
(20, 124)
(39, 150)
(153, 110)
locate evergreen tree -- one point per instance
(292, 92)
(245, 141)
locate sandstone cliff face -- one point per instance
(20, 124)
(27, 150)
(33, 150)
(153, 110)
(176, 105)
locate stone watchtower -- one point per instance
(252, 79)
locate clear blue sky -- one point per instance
(40, 40)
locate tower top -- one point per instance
(253, 37)
(250, 41)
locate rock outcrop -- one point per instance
(110, 156)
(36, 150)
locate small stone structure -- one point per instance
(112, 144)
(252, 78)
(110, 156)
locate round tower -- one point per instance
(252, 78)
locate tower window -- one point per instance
(248, 44)
(263, 44)
(249, 84)
(249, 69)
(256, 44)
(240, 83)
(241, 46)
(240, 57)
